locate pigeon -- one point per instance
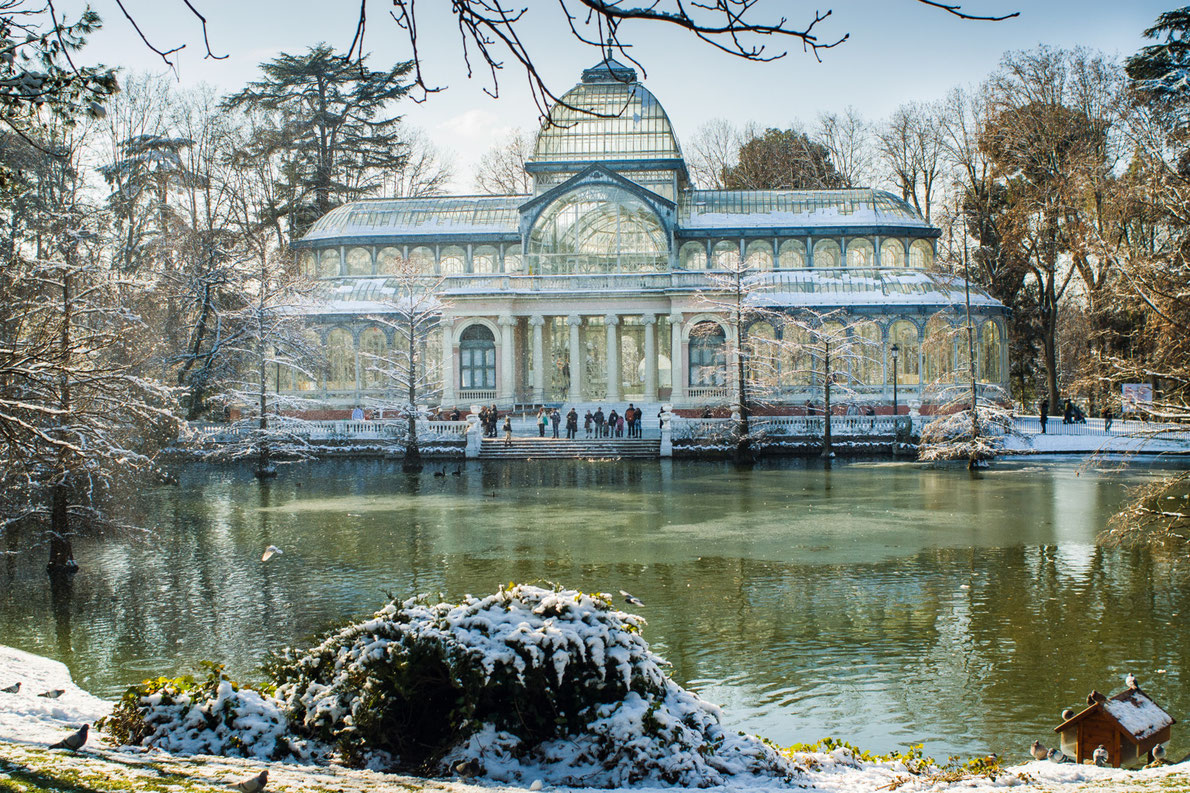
(1130, 681)
(254, 784)
(1094, 697)
(1058, 756)
(1099, 756)
(270, 552)
(13, 689)
(631, 599)
(469, 768)
(1067, 714)
(75, 740)
(1038, 751)
(1159, 752)
(537, 785)
(52, 693)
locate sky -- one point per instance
(898, 51)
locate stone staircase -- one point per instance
(532, 448)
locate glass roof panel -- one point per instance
(793, 208)
(611, 116)
(413, 216)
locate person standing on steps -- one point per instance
(571, 424)
(630, 420)
(555, 420)
(508, 430)
(599, 422)
(613, 419)
(588, 420)
(541, 420)
(1045, 413)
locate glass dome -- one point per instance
(598, 229)
(608, 116)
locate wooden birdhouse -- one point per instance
(1128, 725)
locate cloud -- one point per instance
(476, 125)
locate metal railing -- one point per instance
(341, 430)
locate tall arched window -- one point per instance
(388, 261)
(452, 260)
(513, 262)
(867, 368)
(308, 264)
(422, 260)
(826, 254)
(477, 358)
(860, 253)
(939, 351)
(797, 363)
(990, 345)
(921, 255)
(373, 345)
(726, 255)
(359, 261)
(903, 333)
(328, 263)
(759, 255)
(340, 359)
(793, 255)
(484, 259)
(764, 362)
(892, 253)
(708, 355)
(598, 229)
(693, 256)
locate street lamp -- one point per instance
(894, 350)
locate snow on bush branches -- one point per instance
(525, 684)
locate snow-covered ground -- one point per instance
(29, 724)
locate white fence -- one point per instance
(346, 430)
(789, 426)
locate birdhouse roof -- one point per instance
(1131, 709)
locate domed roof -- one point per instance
(608, 116)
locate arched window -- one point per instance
(452, 260)
(759, 255)
(388, 261)
(867, 368)
(797, 364)
(921, 255)
(903, 333)
(793, 255)
(826, 254)
(939, 350)
(359, 261)
(477, 358)
(513, 263)
(328, 263)
(598, 229)
(484, 259)
(892, 253)
(708, 355)
(834, 335)
(726, 255)
(860, 253)
(421, 260)
(340, 359)
(693, 256)
(990, 346)
(310, 360)
(373, 345)
(307, 264)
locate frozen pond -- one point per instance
(882, 603)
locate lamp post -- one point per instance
(894, 350)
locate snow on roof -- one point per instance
(1136, 713)
(420, 216)
(868, 286)
(708, 209)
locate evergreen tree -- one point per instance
(329, 120)
(782, 159)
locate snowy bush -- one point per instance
(955, 436)
(216, 716)
(525, 684)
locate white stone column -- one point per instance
(576, 359)
(677, 372)
(447, 327)
(612, 322)
(536, 321)
(650, 323)
(507, 365)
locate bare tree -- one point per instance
(911, 149)
(714, 148)
(426, 171)
(848, 138)
(501, 169)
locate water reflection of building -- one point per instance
(592, 288)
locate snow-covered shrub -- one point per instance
(215, 716)
(528, 683)
(955, 436)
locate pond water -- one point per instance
(883, 603)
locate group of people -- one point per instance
(551, 418)
(489, 417)
(1072, 414)
(614, 425)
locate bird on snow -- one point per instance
(14, 688)
(1067, 714)
(254, 784)
(1058, 756)
(75, 740)
(1038, 751)
(469, 768)
(1099, 756)
(1130, 681)
(631, 599)
(52, 693)
(1159, 752)
(270, 552)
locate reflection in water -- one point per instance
(882, 603)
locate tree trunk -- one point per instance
(744, 453)
(61, 551)
(827, 451)
(265, 469)
(411, 462)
